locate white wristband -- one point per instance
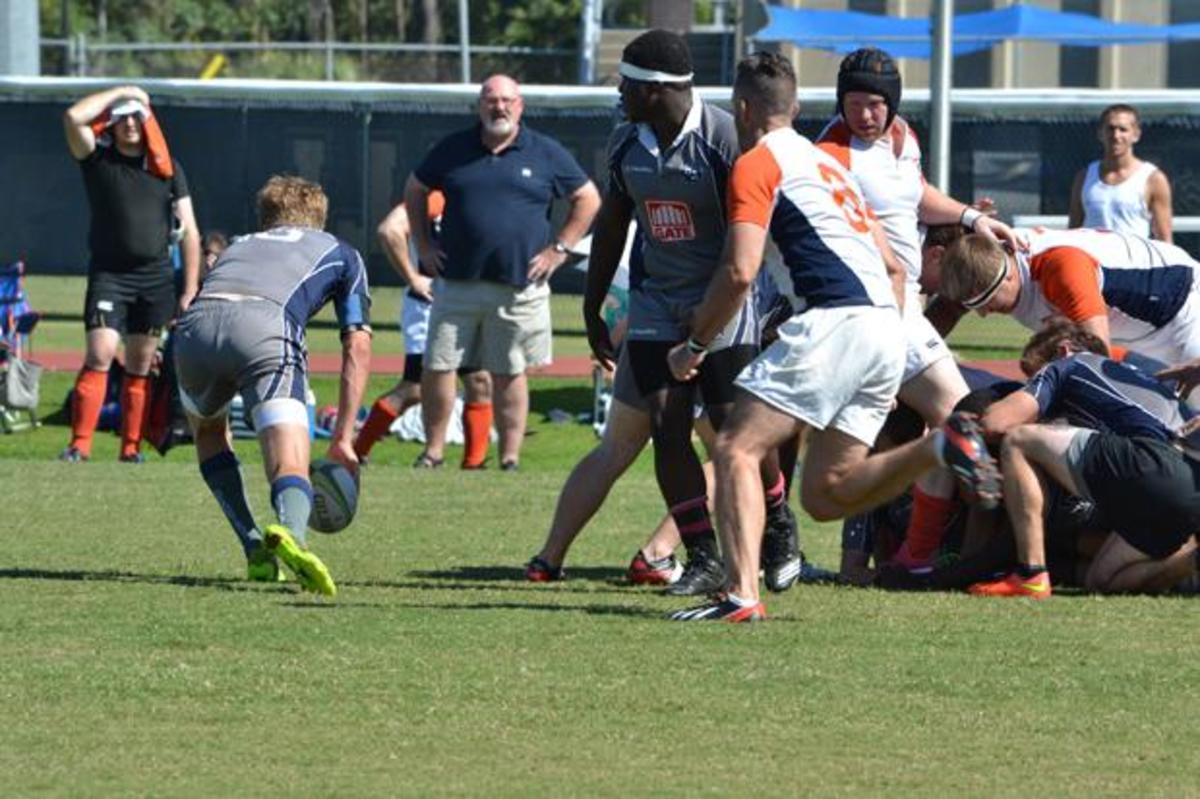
(969, 217)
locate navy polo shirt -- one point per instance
(497, 213)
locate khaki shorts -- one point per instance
(500, 328)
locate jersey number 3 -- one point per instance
(845, 197)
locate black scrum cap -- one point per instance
(870, 70)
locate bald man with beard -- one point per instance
(494, 258)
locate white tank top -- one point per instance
(1120, 207)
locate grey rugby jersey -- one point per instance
(300, 269)
(678, 195)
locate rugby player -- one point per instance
(1126, 290)
(246, 332)
(668, 168)
(395, 237)
(837, 364)
(878, 147)
(1125, 447)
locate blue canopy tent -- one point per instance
(912, 37)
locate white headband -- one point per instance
(627, 70)
(981, 299)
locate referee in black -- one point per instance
(137, 195)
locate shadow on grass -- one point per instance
(606, 574)
(572, 399)
(237, 584)
(591, 609)
(112, 576)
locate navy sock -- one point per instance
(291, 497)
(223, 475)
(1027, 570)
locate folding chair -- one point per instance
(19, 377)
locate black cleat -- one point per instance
(781, 560)
(702, 576)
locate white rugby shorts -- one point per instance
(925, 345)
(833, 367)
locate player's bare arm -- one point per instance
(356, 368)
(895, 269)
(190, 249)
(416, 200)
(608, 242)
(77, 119)
(585, 201)
(394, 233)
(740, 263)
(1075, 212)
(1158, 202)
(1016, 409)
(1188, 375)
(937, 208)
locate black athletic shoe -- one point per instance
(781, 561)
(702, 576)
(423, 461)
(721, 609)
(539, 571)
(966, 454)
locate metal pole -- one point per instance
(941, 79)
(464, 40)
(589, 40)
(328, 40)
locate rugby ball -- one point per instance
(335, 496)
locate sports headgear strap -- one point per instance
(981, 299)
(873, 71)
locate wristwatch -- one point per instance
(561, 248)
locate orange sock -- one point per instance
(379, 421)
(135, 390)
(90, 387)
(928, 523)
(477, 432)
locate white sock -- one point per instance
(740, 602)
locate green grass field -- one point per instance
(136, 661)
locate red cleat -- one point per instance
(643, 571)
(1036, 587)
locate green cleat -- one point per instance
(261, 567)
(308, 568)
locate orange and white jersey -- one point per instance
(818, 222)
(1138, 283)
(889, 172)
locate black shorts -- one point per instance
(414, 368)
(1145, 490)
(140, 302)
(648, 360)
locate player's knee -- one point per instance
(820, 505)
(1099, 579)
